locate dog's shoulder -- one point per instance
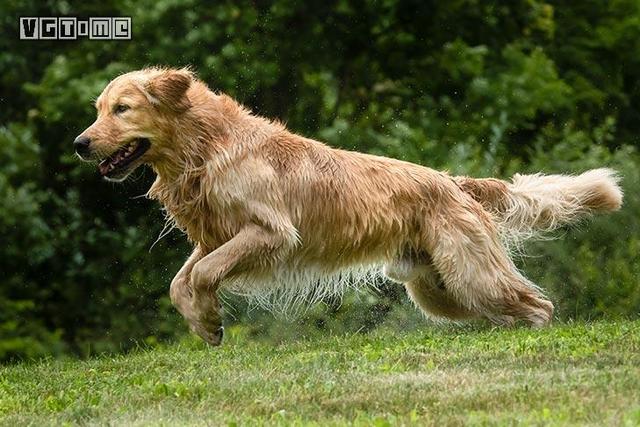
(287, 152)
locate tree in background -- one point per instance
(479, 88)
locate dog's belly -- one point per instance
(317, 268)
(293, 284)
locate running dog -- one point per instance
(277, 216)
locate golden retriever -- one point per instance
(280, 217)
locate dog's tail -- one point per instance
(534, 204)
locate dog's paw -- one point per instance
(215, 338)
(212, 336)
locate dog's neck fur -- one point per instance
(200, 152)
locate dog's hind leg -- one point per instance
(476, 269)
(426, 288)
(429, 294)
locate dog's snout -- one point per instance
(81, 145)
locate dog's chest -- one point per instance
(204, 213)
(211, 226)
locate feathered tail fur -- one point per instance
(533, 204)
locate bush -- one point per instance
(484, 88)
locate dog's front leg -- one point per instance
(180, 291)
(253, 245)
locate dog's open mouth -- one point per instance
(120, 160)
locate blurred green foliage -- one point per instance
(482, 88)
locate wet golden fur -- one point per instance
(274, 214)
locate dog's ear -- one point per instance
(169, 89)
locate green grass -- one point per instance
(569, 374)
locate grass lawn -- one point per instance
(452, 375)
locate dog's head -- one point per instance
(137, 115)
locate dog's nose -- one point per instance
(81, 145)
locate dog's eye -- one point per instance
(121, 108)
